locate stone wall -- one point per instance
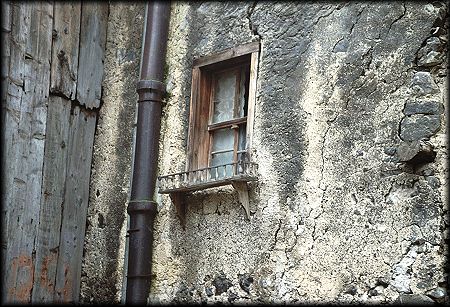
(104, 248)
(350, 139)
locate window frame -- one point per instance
(199, 143)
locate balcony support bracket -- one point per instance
(242, 190)
(179, 201)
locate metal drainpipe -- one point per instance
(142, 208)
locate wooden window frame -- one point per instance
(201, 104)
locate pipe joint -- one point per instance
(150, 90)
(142, 207)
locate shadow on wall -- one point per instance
(113, 158)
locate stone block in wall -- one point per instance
(414, 299)
(432, 53)
(423, 84)
(415, 152)
(423, 107)
(419, 126)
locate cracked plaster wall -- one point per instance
(106, 225)
(350, 137)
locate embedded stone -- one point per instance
(423, 107)
(415, 153)
(414, 299)
(351, 289)
(422, 84)
(431, 54)
(390, 151)
(419, 126)
(437, 293)
(430, 59)
(232, 297)
(222, 284)
(209, 291)
(433, 182)
(245, 280)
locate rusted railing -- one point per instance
(208, 177)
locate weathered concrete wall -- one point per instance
(350, 138)
(104, 247)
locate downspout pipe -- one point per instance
(142, 207)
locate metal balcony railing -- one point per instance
(208, 177)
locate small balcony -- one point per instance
(208, 177)
(236, 174)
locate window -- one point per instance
(221, 113)
(228, 115)
(220, 126)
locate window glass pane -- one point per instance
(242, 137)
(243, 95)
(224, 92)
(223, 139)
(220, 159)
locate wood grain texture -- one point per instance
(192, 115)
(53, 186)
(251, 101)
(94, 17)
(76, 195)
(5, 37)
(66, 34)
(227, 54)
(25, 124)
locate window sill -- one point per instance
(236, 174)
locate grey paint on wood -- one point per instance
(46, 191)
(94, 19)
(25, 120)
(6, 29)
(76, 195)
(5, 34)
(66, 33)
(53, 186)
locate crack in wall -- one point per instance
(253, 28)
(327, 14)
(358, 17)
(276, 235)
(397, 19)
(329, 122)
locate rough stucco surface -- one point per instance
(104, 249)
(350, 138)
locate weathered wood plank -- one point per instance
(190, 165)
(94, 18)
(251, 101)
(24, 140)
(5, 37)
(76, 196)
(6, 30)
(66, 34)
(54, 175)
(227, 54)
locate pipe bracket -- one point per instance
(151, 85)
(144, 206)
(150, 90)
